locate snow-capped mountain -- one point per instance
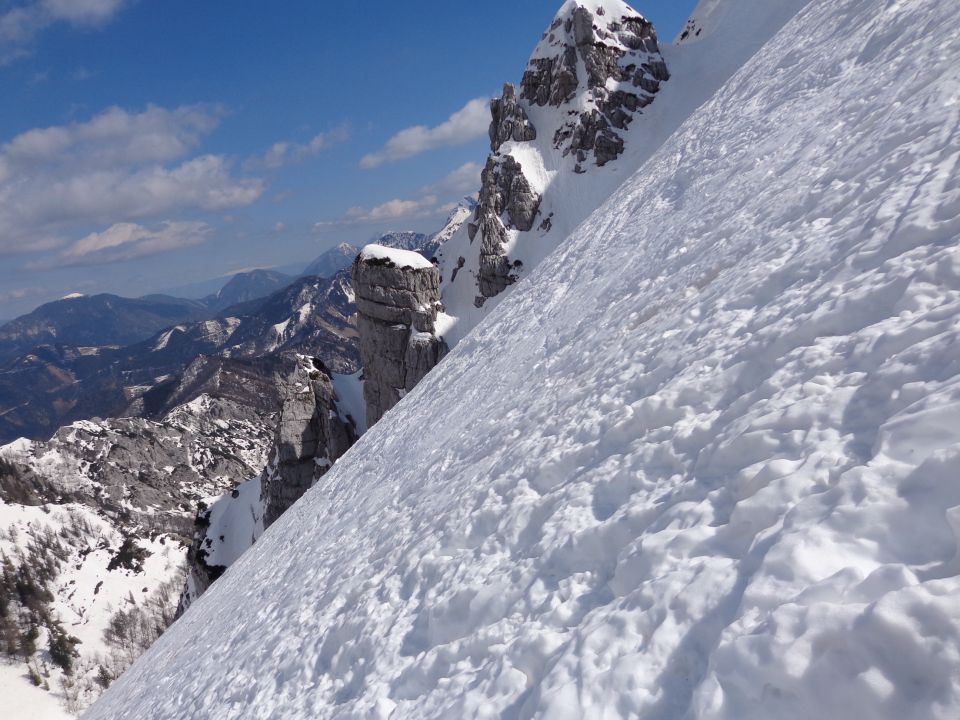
(403, 240)
(701, 463)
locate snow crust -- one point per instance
(400, 258)
(702, 464)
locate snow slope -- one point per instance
(702, 464)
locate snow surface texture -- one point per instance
(702, 464)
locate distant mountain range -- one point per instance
(108, 356)
(54, 384)
(96, 320)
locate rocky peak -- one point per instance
(507, 201)
(601, 60)
(398, 299)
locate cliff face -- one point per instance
(398, 300)
(556, 154)
(313, 430)
(309, 438)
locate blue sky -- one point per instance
(147, 145)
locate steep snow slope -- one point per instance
(701, 465)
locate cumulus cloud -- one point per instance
(22, 22)
(117, 167)
(116, 137)
(393, 210)
(126, 241)
(289, 153)
(468, 123)
(430, 200)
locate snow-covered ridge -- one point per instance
(702, 464)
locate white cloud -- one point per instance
(468, 123)
(125, 241)
(465, 179)
(25, 20)
(288, 153)
(430, 200)
(116, 137)
(19, 294)
(81, 12)
(115, 168)
(393, 210)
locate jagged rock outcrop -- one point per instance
(505, 194)
(150, 473)
(309, 438)
(510, 121)
(311, 433)
(596, 68)
(623, 70)
(398, 299)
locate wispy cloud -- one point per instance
(19, 294)
(289, 153)
(22, 22)
(468, 123)
(126, 241)
(117, 167)
(465, 179)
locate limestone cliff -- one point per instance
(398, 299)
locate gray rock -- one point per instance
(396, 314)
(505, 193)
(510, 121)
(624, 50)
(310, 436)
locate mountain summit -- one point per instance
(594, 71)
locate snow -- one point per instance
(400, 258)
(701, 464)
(21, 699)
(350, 402)
(236, 521)
(164, 340)
(86, 595)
